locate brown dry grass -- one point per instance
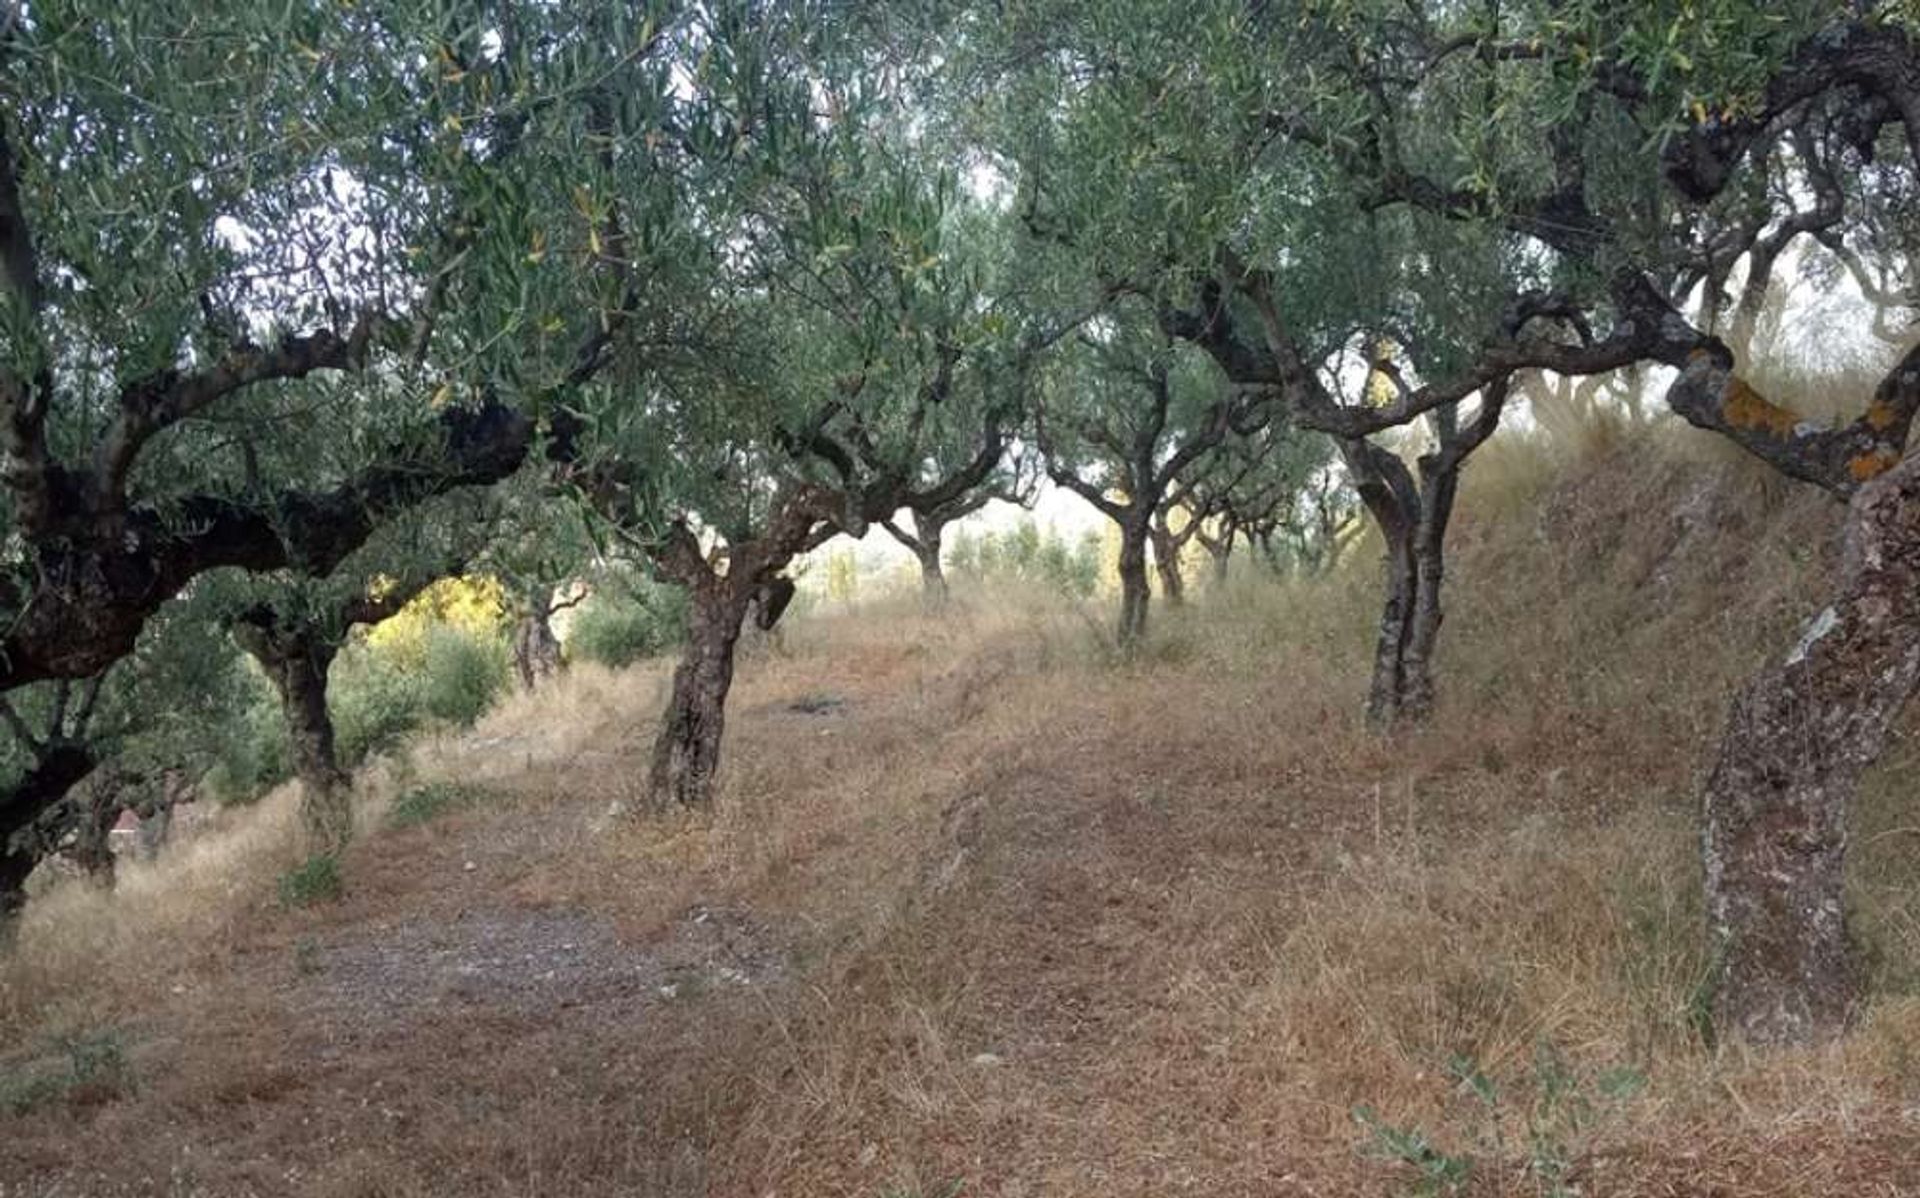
(1021, 917)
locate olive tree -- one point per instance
(294, 626)
(232, 238)
(1124, 415)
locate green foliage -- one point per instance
(627, 621)
(377, 700)
(91, 1066)
(427, 802)
(1564, 1108)
(375, 703)
(843, 576)
(1028, 554)
(464, 673)
(252, 754)
(1437, 1172)
(315, 880)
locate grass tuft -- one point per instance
(429, 801)
(315, 880)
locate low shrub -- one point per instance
(90, 1067)
(424, 803)
(620, 625)
(464, 673)
(315, 880)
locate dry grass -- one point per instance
(1017, 915)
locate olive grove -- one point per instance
(292, 293)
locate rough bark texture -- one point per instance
(1412, 516)
(1219, 543)
(59, 769)
(933, 576)
(1166, 563)
(1134, 593)
(1777, 804)
(926, 541)
(98, 810)
(96, 580)
(1387, 489)
(536, 650)
(1440, 484)
(686, 754)
(298, 662)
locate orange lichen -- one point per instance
(1879, 417)
(1744, 407)
(1867, 465)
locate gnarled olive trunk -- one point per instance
(933, 576)
(686, 754)
(99, 807)
(1413, 517)
(536, 649)
(1220, 552)
(1166, 563)
(924, 542)
(1386, 487)
(1777, 805)
(326, 793)
(298, 665)
(1429, 573)
(59, 769)
(1134, 594)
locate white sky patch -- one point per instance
(235, 235)
(988, 184)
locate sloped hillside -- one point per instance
(986, 911)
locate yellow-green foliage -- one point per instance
(843, 576)
(474, 603)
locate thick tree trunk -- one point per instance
(326, 795)
(933, 577)
(1801, 735)
(1387, 488)
(99, 806)
(1429, 573)
(1388, 685)
(16, 866)
(1166, 563)
(1220, 553)
(53, 777)
(686, 754)
(1133, 582)
(536, 650)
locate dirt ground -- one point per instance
(984, 911)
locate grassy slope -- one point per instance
(1015, 916)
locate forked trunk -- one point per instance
(1777, 805)
(686, 754)
(1133, 583)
